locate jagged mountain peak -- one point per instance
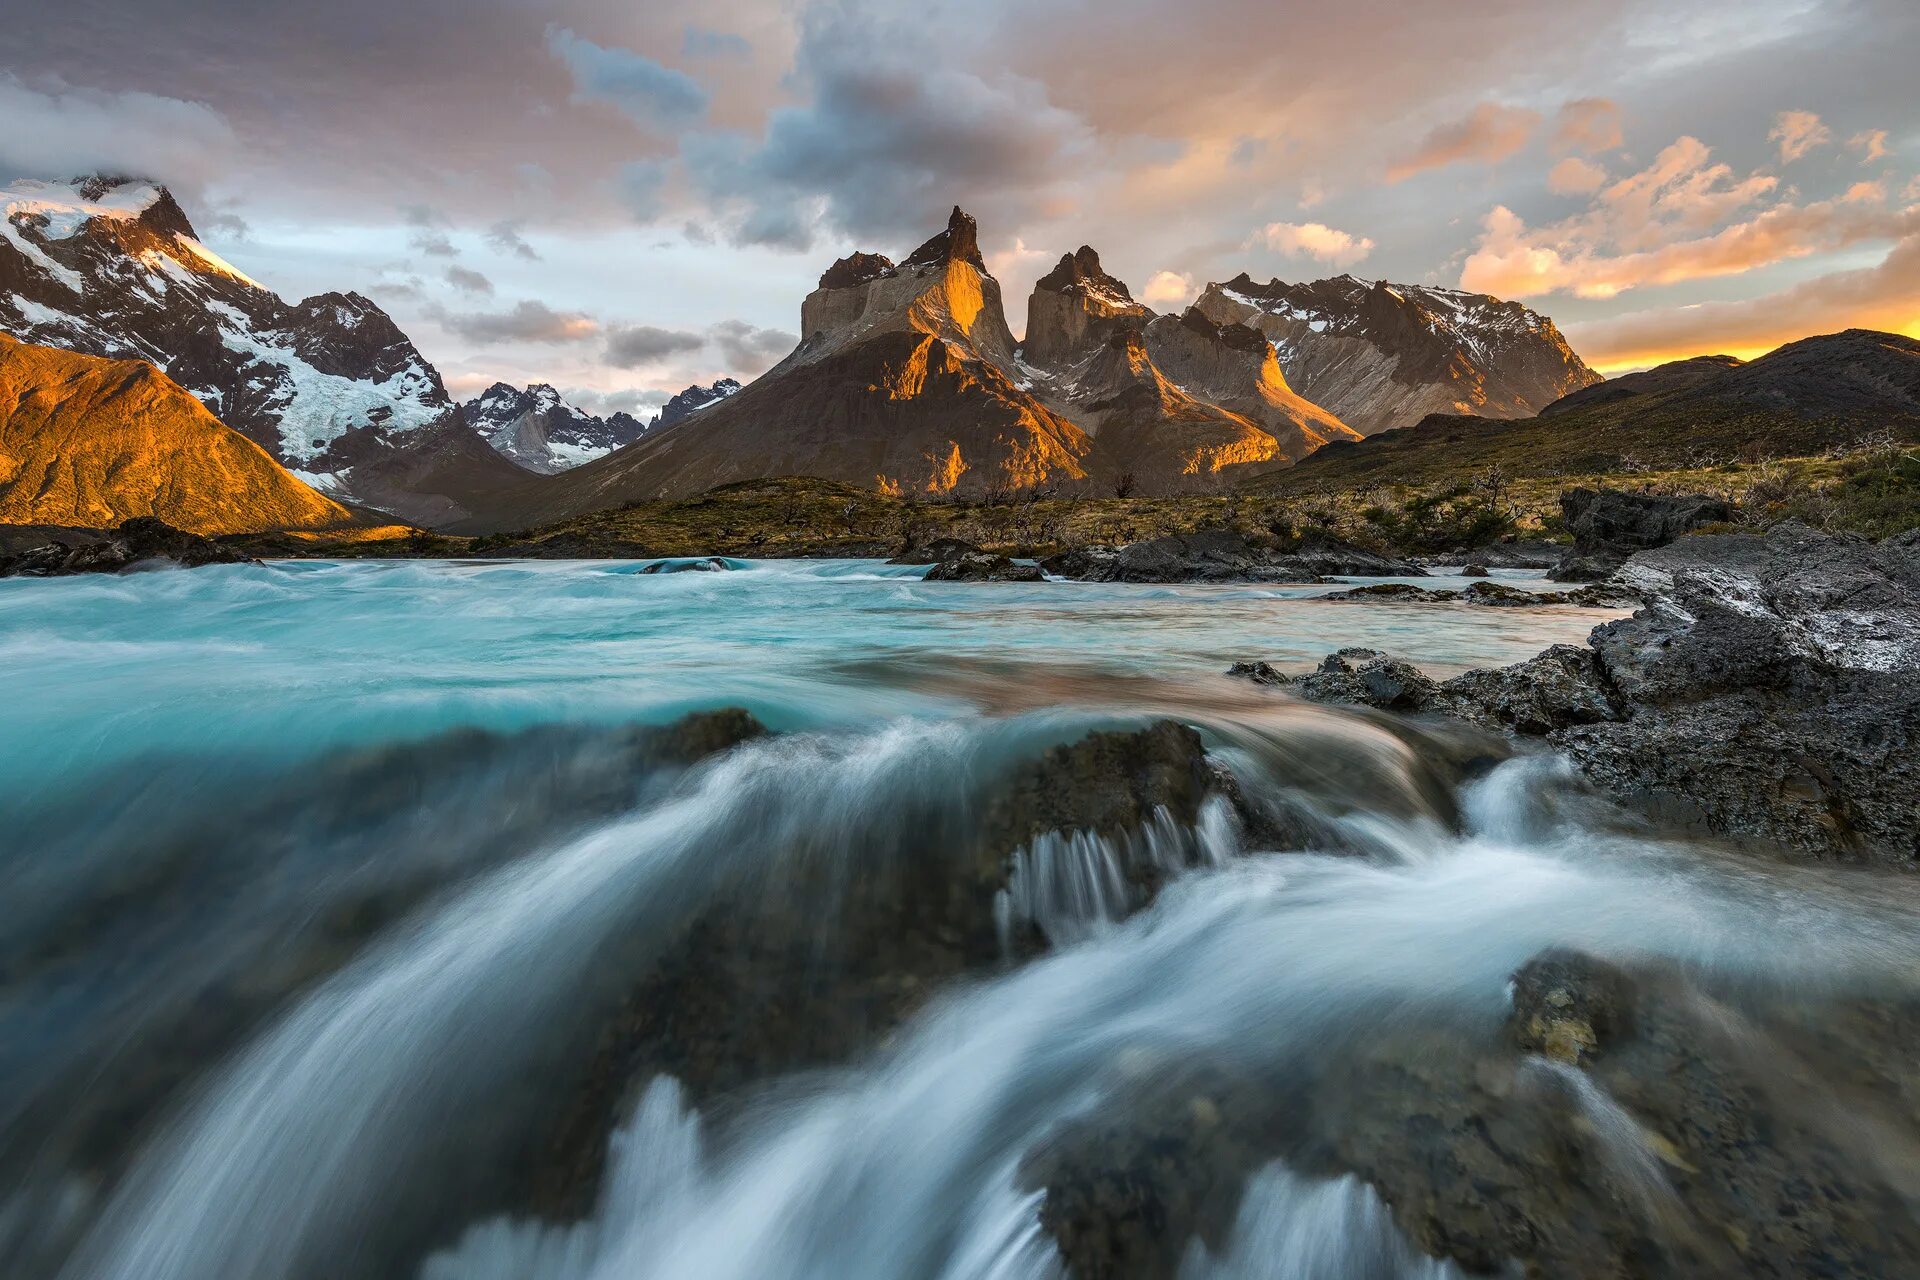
(696, 398)
(1081, 270)
(537, 428)
(1074, 309)
(960, 242)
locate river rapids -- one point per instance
(563, 922)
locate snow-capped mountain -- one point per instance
(1386, 355)
(112, 267)
(693, 399)
(535, 427)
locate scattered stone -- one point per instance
(1473, 571)
(144, 542)
(1258, 673)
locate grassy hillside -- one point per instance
(1875, 491)
(91, 442)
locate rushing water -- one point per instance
(322, 878)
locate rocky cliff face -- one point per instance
(89, 442)
(536, 428)
(1234, 367)
(112, 267)
(1075, 309)
(1382, 355)
(1173, 403)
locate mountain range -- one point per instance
(907, 376)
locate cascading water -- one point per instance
(355, 932)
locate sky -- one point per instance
(622, 198)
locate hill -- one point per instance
(91, 442)
(1821, 393)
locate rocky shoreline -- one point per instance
(1764, 692)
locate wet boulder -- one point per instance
(820, 963)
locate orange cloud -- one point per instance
(1514, 262)
(1871, 144)
(1576, 177)
(1590, 125)
(1315, 240)
(1489, 134)
(1798, 132)
(1885, 296)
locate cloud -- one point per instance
(469, 281)
(1576, 177)
(1798, 132)
(1870, 143)
(699, 42)
(632, 346)
(748, 350)
(526, 321)
(639, 402)
(63, 130)
(1168, 289)
(1588, 125)
(1515, 262)
(647, 92)
(1315, 240)
(890, 131)
(428, 237)
(504, 237)
(1488, 135)
(1881, 296)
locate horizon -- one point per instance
(621, 204)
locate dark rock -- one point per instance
(1499, 595)
(1609, 525)
(1622, 1122)
(1394, 593)
(982, 566)
(1568, 1006)
(1258, 673)
(1473, 571)
(1208, 556)
(1560, 688)
(817, 966)
(142, 542)
(856, 269)
(1325, 554)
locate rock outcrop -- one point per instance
(140, 543)
(758, 986)
(90, 442)
(1765, 693)
(1222, 556)
(1621, 1120)
(1609, 525)
(1381, 355)
(974, 565)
